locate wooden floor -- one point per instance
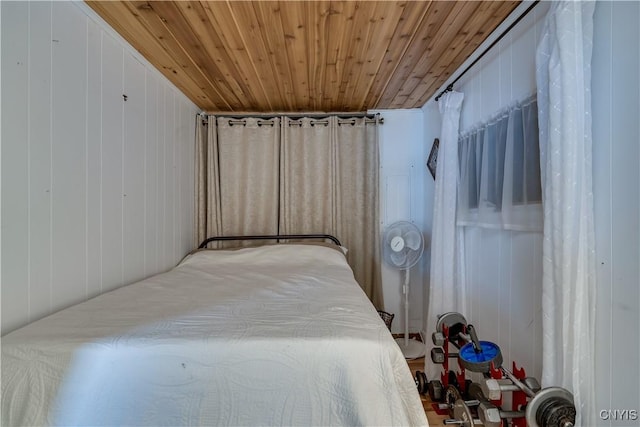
(434, 419)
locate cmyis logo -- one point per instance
(618, 414)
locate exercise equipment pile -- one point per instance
(501, 397)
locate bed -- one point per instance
(279, 334)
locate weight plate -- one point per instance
(462, 413)
(480, 361)
(467, 384)
(435, 390)
(421, 382)
(451, 395)
(474, 391)
(449, 319)
(551, 405)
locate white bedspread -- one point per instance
(276, 335)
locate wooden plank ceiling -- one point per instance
(277, 56)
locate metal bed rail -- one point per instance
(270, 237)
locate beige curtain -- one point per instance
(236, 170)
(293, 176)
(248, 164)
(307, 199)
(329, 184)
(207, 209)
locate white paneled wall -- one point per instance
(616, 156)
(97, 162)
(503, 268)
(402, 184)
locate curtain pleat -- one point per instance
(330, 185)
(357, 202)
(447, 290)
(563, 74)
(208, 202)
(248, 166)
(201, 176)
(308, 182)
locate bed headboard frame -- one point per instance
(270, 237)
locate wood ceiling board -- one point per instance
(265, 56)
(207, 50)
(170, 44)
(413, 15)
(466, 43)
(437, 44)
(418, 48)
(127, 25)
(380, 34)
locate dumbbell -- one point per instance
(492, 389)
(421, 382)
(462, 415)
(549, 407)
(437, 356)
(434, 387)
(488, 414)
(455, 323)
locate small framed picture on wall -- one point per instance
(432, 161)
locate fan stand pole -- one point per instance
(405, 291)
(411, 349)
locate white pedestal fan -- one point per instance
(402, 247)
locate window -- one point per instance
(499, 171)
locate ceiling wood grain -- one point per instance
(276, 56)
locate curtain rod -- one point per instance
(449, 88)
(266, 116)
(291, 114)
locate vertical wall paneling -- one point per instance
(133, 173)
(151, 176)
(94, 141)
(503, 269)
(170, 169)
(162, 173)
(111, 167)
(39, 143)
(81, 188)
(625, 146)
(0, 163)
(397, 204)
(15, 178)
(68, 78)
(616, 151)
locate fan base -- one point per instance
(413, 350)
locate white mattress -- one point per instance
(276, 335)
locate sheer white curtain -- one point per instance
(563, 65)
(500, 171)
(447, 291)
